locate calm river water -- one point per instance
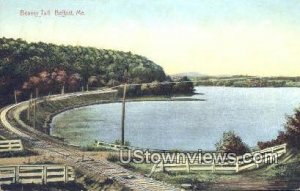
(255, 114)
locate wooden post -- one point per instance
(29, 107)
(36, 92)
(63, 90)
(16, 101)
(153, 169)
(45, 174)
(123, 117)
(187, 166)
(213, 166)
(28, 111)
(9, 145)
(237, 166)
(15, 174)
(21, 145)
(36, 97)
(17, 171)
(162, 166)
(66, 173)
(34, 114)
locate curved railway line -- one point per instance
(95, 168)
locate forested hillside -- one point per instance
(25, 66)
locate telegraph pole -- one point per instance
(16, 101)
(123, 116)
(63, 89)
(34, 113)
(29, 107)
(36, 92)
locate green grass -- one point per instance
(287, 170)
(47, 109)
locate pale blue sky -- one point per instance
(209, 36)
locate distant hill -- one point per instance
(189, 74)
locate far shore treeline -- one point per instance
(247, 81)
(26, 66)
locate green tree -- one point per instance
(231, 143)
(292, 129)
(21, 61)
(183, 85)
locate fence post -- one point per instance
(17, 172)
(213, 166)
(162, 166)
(45, 174)
(237, 166)
(66, 173)
(9, 145)
(21, 144)
(153, 169)
(187, 166)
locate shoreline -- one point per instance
(49, 120)
(49, 109)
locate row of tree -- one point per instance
(167, 88)
(250, 82)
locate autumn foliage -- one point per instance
(291, 135)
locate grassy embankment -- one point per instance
(284, 175)
(48, 108)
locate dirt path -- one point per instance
(99, 167)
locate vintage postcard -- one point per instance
(149, 95)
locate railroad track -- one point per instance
(44, 144)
